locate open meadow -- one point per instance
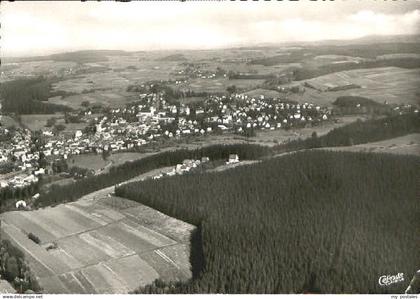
(89, 161)
(38, 122)
(92, 81)
(36, 68)
(391, 84)
(218, 85)
(108, 98)
(7, 121)
(35, 122)
(97, 163)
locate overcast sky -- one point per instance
(36, 28)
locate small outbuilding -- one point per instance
(20, 204)
(233, 158)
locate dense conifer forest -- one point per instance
(360, 132)
(18, 193)
(352, 101)
(313, 221)
(59, 194)
(29, 96)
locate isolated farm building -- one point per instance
(158, 176)
(233, 158)
(39, 171)
(48, 133)
(171, 173)
(78, 134)
(20, 204)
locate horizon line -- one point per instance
(238, 46)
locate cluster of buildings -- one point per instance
(18, 151)
(241, 112)
(17, 148)
(186, 166)
(18, 181)
(405, 108)
(233, 159)
(194, 70)
(189, 165)
(153, 117)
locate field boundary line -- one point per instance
(82, 232)
(24, 247)
(97, 263)
(78, 210)
(87, 278)
(77, 280)
(154, 233)
(122, 282)
(69, 256)
(41, 224)
(166, 258)
(135, 220)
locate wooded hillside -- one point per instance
(29, 96)
(313, 221)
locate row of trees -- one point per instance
(359, 132)
(353, 101)
(309, 72)
(18, 193)
(313, 221)
(366, 50)
(361, 50)
(293, 57)
(59, 194)
(347, 105)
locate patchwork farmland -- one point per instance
(392, 84)
(100, 244)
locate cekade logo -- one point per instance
(386, 280)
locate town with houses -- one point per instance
(149, 119)
(153, 118)
(201, 150)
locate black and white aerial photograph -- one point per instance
(210, 147)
